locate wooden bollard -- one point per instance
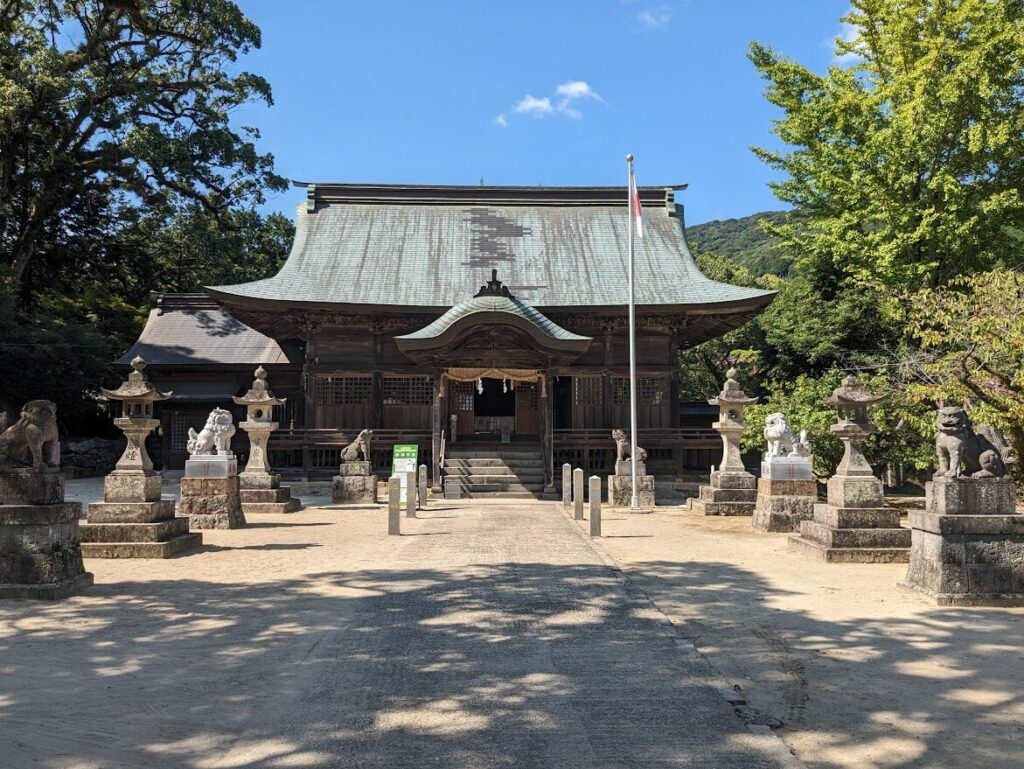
(577, 493)
(566, 486)
(595, 506)
(394, 504)
(410, 494)
(422, 487)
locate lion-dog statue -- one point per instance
(359, 447)
(32, 440)
(622, 447)
(962, 451)
(215, 437)
(782, 441)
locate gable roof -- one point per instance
(429, 246)
(192, 329)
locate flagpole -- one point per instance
(633, 501)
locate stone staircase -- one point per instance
(470, 473)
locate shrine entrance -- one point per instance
(492, 409)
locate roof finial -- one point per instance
(493, 287)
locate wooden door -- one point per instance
(527, 415)
(460, 403)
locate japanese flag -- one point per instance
(636, 211)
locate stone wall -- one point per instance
(89, 457)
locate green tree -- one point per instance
(973, 334)
(108, 101)
(904, 167)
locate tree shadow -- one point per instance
(482, 665)
(877, 691)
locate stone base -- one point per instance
(970, 496)
(136, 530)
(26, 486)
(211, 503)
(50, 591)
(132, 486)
(853, 535)
(782, 505)
(967, 560)
(791, 468)
(263, 500)
(350, 469)
(259, 481)
(357, 489)
(624, 468)
(211, 466)
(620, 492)
(40, 551)
(728, 494)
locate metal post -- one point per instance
(577, 493)
(595, 506)
(566, 486)
(422, 487)
(394, 504)
(633, 501)
(410, 494)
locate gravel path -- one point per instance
(488, 635)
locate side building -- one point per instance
(469, 317)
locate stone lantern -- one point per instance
(133, 520)
(733, 491)
(261, 491)
(134, 479)
(854, 526)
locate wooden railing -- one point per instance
(317, 453)
(670, 451)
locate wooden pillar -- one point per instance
(378, 399)
(547, 418)
(607, 407)
(436, 428)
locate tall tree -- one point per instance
(109, 100)
(905, 164)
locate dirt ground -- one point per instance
(860, 673)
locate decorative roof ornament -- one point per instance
(732, 392)
(136, 387)
(494, 287)
(259, 394)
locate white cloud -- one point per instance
(567, 97)
(848, 33)
(655, 17)
(531, 105)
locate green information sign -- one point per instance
(403, 461)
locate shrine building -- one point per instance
(487, 319)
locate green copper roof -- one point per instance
(494, 304)
(431, 246)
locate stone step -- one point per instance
(286, 506)
(709, 494)
(167, 549)
(506, 463)
(280, 494)
(499, 494)
(484, 454)
(477, 488)
(856, 518)
(822, 552)
(855, 538)
(485, 477)
(722, 508)
(160, 531)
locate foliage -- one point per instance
(744, 241)
(973, 332)
(903, 168)
(104, 103)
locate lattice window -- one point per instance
(526, 396)
(650, 391)
(343, 390)
(407, 391)
(178, 429)
(589, 391)
(462, 396)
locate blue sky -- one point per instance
(554, 93)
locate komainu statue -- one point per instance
(782, 441)
(359, 447)
(962, 451)
(215, 437)
(622, 447)
(32, 440)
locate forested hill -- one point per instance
(741, 240)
